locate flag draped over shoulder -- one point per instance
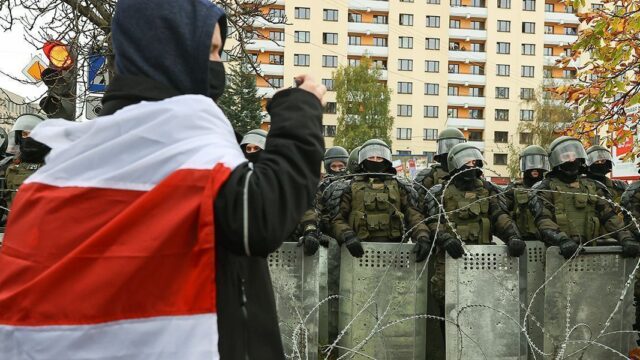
(109, 249)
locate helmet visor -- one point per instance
(598, 155)
(530, 162)
(566, 152)
(374, 150)
(444, 145)
(463, 157)
(254, 139)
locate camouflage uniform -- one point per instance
(631, 202)
(14, 177)
(599, 171)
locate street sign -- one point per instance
(98, 76)
(33, 70)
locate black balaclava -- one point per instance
(169, 41)
(253, 157)
(444, 163)
(32, 151)
(376, 167)
(529, 180)
(569, 171)
(600, 171)
(217, 80)
(468, 176)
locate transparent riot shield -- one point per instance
(483, 293)
(296, 283)
(534, 304)
(586, 315)
(381, 293)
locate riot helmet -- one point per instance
(31, 150)
(375, 148)
(26, 122)
(461, 154)
(335, 154)
(534, 157)
(599, 160)
(354, 165)
(253, 143)
(567, 157)
(447, 139)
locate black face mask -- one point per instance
(375, 167)
(444, 163)
(530, 180)
(217, 79)
(600, 169)
(254, 156)
(469, 175)
(32, 151)
(569, 171)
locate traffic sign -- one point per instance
(98, 75)
(33, 70)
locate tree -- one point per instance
(240, 101)
(610, 80)
(363, 105)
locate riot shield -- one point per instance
(534, 305)
(586, 315)
(381, 293)
(483, 293)
(296, 283)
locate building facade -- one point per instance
(13, 105)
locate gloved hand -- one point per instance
(452, 246)
(351, 241)
(568, 247)
(630, 248)
(422, 248)
(310, 242)
(516, 246)
(325, 240)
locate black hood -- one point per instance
(168, 41)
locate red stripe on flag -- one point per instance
(87, 255)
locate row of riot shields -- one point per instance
(539, 306)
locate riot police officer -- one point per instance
(600, 163)
(476, 212)
(253, 143)
(353, 167)
(377, 206)
(315, 221)
(631, 201)
(534, 163)
(566, 206)
(435, 174)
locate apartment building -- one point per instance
(469, 64)
(13, 105)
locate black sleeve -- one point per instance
(280, 187)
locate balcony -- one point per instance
(384, 75)
(553, 82)
(561, 18)
(369, 5)
(466, 101)
(560, 40)
(467, 79)
(467, 56)
(265, 45)
(468, 34)
(368, 28)
(375, 51)
(551, 61)
(271, 69)
(478, 144)
(463, 123)
(261, 23)
(266, 92)
(469, 12)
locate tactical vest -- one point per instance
(471, 217)
(575, 212)
(16, 175)
(438, 175)
(522, 215)
(376, 209)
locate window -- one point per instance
(406, 42)
(381, 64)
(548, 29)
(499, 159)
(405, 64)
(432, 66)
(433, 21)
(477, 3)
(529, 5)
(504, 26)
(452, 113)
(570, 31)
(276, 35)
(568, 74)
(433, 2)
(405, 110)
(526, 115)
(355, 18)
(548, 51)
(276, 13)
(527, 94)
(477, 25)
(503, 48)
(330, 38)
(380, 41)
(355, 40)
(301, 59)
(503, 70)
(328, 83)
(570, 9)
(504, 4)
(526, 138)
(429, 155)
(330, 108)
(454, 3)
(502, 92)
(528, 49)
(405, 87)
(454, 24)
(527, 71)
(430, 111)
(380, 19)
(476, 92)
(254, 57)
(330, 15)
(501, 136)
(354, 62)
(329, 61)
(403, 134)
(476, 47)
(454, 45)
(475, 114)
(568, 52)
(432, 44)
(409, 1)
(597, 6)
(476, 70)
(454, 69)
(302, 13)
(475, 136)
(528, 28)
(431, 89)
(277, 82)
(430, 134)
(276, 59)
(548, 7)
(546, 73)
(406, 19)
(502, 115)
(453, 91)
(328, 130)
(302, 36)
